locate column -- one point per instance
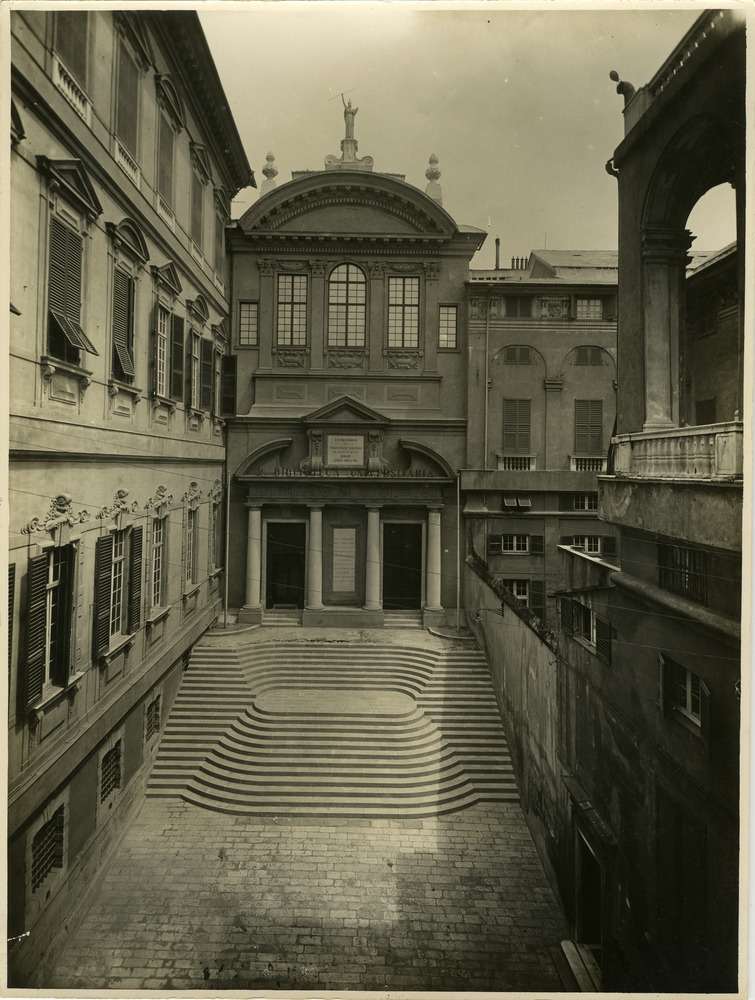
(432, 597)
(314, 560)
(377, 338)
(317, 315)
(253, 557)
(267, 307)
(372, 569)
(432, 317)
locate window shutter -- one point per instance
(582, 355)
(609, 307)
(567, 615)
(128, 99)
(36, 626)
(495, 545)
(596, 427)
(60, 668)
(603, 639)
(510, 355)
(135, 580)
(567, 540)
(177, 359)
(523, 430)
(537, 597)
(596, 356)
(103, 567)
(536, 545)
(704, 711)
(608, 545)
(11, 599)
(565, 501)
(197, 196)
(205, 382)
(228, 385)
(509, 425)
(64, 284)
(581, 426)
(165, 161)
(123, 289)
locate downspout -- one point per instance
(458, 549)
(227, 545)
(487, 365)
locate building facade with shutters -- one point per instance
(122, 171)
(350, 336)
(542, 339)
(649, 638)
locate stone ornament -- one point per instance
(554, 307)
(60, 513)
(313, 462)
(161, 499)
(193, 495)
(403, 359)
(375, 460)
(290, 359)
(345, 359)
(118, 506)
(215, 492)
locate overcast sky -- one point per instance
(516, 104)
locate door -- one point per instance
(286, 548)
(589, 899)
(402, 565)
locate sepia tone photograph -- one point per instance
(378, 396)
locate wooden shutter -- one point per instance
(536, 545)
(36, 606)
(582, 355)
(123, 292)
(205, 382)
(495, 544)
(11, 600)
(103, 570)
(588, 426)
(72, 42)
(537, 597)
(608, 545)
(566, 606)
(177, 359)
(704, 711)
(127, 107)
(61, 665)
(516, 425)
(135, 580)
(197, 197)
(165, 161)
(609, 307)
(603, 639)
(64, 284)
(228, 385)
(565, 501)
(510, 355)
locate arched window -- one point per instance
(347, 296)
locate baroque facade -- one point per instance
(123, 168)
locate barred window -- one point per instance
(683, 571)
(47, 848)
(152, 719)
(248, 324)
(403, 312)
(110, 772)
(347, 307)
(292, 310)
(589, 308)
(447, 327)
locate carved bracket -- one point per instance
(313, 463)
(60, 513)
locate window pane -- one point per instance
(248, 319)
(447, 327)
(346, 307)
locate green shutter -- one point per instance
(36, 606)
(103, 568)
(177, 359)
(135, 580)
(123, 297)
(205, 382)
(228, 385)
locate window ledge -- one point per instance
(187, 594)
(197, 412)
(158, 400)
(114, 387)
(156, 615)
(215, 572)
(55, 693)
(691, 725)
(51, 365)
(118, 644)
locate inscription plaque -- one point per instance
(345, 450)
(344, 559)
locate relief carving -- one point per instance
(215, 492)
(479, 308)
(60, 512)
(267, 265)
(118, 506)
(345, 359)
(554, 306)
(403, 359)
(313, 462)
(290, 359)
(318, 268)
(193, 495)
(161, 499)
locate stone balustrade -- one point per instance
(712, 451)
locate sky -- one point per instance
(516, 104)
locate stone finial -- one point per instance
(433, 189)
(623, 88)
(271, 172)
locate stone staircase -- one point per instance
(335, 728)
(281, 617)
(402, 619)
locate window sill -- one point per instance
(50, 365)
(114, 386)
(684, 720)
(191, 592)
(55, 693)
(158, 401)
(218, 571)
(156, 615)
(118, 644)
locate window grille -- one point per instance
(152, 721)
(683, 571)
(47, 848)
(110, 772)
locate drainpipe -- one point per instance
(487, 390)
(458, 549)
(227, 546)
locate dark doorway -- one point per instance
(589, 899)
(286, 546)
(402, 565)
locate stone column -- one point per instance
(268, 306)
(432, 317)
(314, 560)
(372, 566)
(253, 557)
(376, 335)
(432, 596)
(318, 315)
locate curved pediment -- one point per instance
(348, 202)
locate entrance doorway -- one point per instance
(286, 549)
(402, 565)
(589, 899)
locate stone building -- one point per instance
(350, 419)
(123, 165)
(542, 339)
(649, 689)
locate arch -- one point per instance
(502, 350)
(199, 308)
(245, 470)
(169, 99)
(588, 347)
(416, 447)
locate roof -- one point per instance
(543, 267)
(579, 258)
(706, 258)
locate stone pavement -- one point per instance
(196, 900)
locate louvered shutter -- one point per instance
(72, 42)
(567, 615)
(567, 540)
(165, 161)
(516, 425)
(608, 543)
(123, 288)
(228, 385)
(581, 426)
(128, 99)
(103, 569)
(536, 545)
(11, 599)
(596, 427)
(205, 383)
(664, 680)
(60, 666)
(596, 356)
(565, 501)
(509, 424)
(177, 359)
(197, 197)
(510, 355)
(704, 711)
(582, 355)
(494, 544)
(64, 283)
(36, 607)
(609, 307)
(523, 428)
(135, 580)
(603, 639)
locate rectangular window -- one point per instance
(683, 571)
(588, 426)
(248, 324)
(192, 541)
(447, 327)
(194, 369)
(50, 612)
(292, 310)
(684, 693)
(65, 335)
(580, 620)
(72, 43)
(162, 335)
(590, 543)
(517, 355)
(589, 356)
(123, 326)
(152, 719)
(110, 772)
(518, 305)
(219, 243)
(127, 103)
(514, 543)
(159, 562)
(516, 426)
(585, 501)
(197, 208)
(589, 308)
(177, 359)
(403, 312)
(207, 374)
(519, 588)
(47, 848)
(165, 162)
(117, 582)
(118, 586)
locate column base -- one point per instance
(250, 616)
(434, 617)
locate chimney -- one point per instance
(498, 253)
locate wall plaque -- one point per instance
(344, 559)
(345, 450)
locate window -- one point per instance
(588, 426)
(194, 369)
(519, 588)
(165, 162)
(580, 620)
(516, 426)
(347, 298)
(228, 367)
(514, 543)
(589, 356)
(685, 694)
(152, 719)
(248, 324)
(583, 501)
(110, 772)
(447, 327)
(127, 101)
(683, 571)
(292, 310)
(403, 312)
(207, 375)
(589, 308)
(518, 305)
(50, 612)
(65, 335)
(72, 43)
(118, 586)
(177, 359)
(159, 562)
(47, 848)
(517, 356)
(197, 208)
(219, 243)
(123, 326)
(162, 338)
(590, 543)
(192, 543)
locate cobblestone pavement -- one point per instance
(199, 900)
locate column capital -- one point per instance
(315, 506)
(374, 506)
(435, 506)
(252, 505)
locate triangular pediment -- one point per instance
(346, 410)
(73, 182)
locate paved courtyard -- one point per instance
(197, 900)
